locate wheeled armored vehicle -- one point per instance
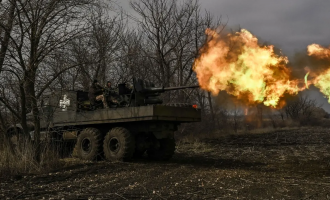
(138, 123)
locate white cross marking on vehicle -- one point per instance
(64, 103)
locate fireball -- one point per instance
(318, 51)
(237, 64)
(322, 80)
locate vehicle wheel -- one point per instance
(162, 150)
(118, 145)
(89, 144)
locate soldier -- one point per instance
(107, 89)
(110, 93)
(96, 94)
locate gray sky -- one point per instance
(290, 25)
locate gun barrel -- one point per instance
(153, 90)
(164, 89)
(180, 87)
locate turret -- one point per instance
(145, 92)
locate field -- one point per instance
(279, 164)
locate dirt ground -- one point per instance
(283, 164)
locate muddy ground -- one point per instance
(284, 164)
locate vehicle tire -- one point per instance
(89, 144)
(118, 145)
(163, 150)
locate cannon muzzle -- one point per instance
(164, 89)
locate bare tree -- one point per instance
(131, 63)
(42, 27)
(172, 33)
(7, 12)
(97, 53)
(166, 26)
(301, 107)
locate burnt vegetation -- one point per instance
(236, 151)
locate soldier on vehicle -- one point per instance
(110, 94)
(96, 94)
(107, 89)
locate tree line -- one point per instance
(65, 44)
(46, 45)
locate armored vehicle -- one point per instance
(137, 123)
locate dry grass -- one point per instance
(196, 146)
(199, 143)
(22, 162)
(218, 134)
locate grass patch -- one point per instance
(21, 161)
(193, 146)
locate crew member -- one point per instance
(96, 94)
(110, 93)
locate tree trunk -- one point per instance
(2, 121)
(31, 98)
(23, 111)
(8, 28)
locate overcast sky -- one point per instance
(290, 25)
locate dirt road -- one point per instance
(285, 164)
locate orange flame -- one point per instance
(237, 64)
(318, 51)
(322, 80)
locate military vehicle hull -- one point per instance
(152, 113)
(138, 125)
